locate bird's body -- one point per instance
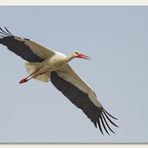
(43, 69)
(49, 65)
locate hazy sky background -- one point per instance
(116, 38)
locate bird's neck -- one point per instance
(69, 58)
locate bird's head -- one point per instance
(77, 54)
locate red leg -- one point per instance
(27, 78)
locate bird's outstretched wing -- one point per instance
(80, 94)
(25, 48)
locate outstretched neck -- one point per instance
(69, 58)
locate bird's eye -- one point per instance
(76, 52)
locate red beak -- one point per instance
(83, 56)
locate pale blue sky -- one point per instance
(116, 40)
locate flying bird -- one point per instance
(48, 65)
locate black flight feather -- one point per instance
(18, 46)
(83, 102)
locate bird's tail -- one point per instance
(31, 67)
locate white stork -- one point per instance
(48, 65)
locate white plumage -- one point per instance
(48, 65)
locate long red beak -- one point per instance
(83, 56)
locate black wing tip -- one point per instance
(5, 32)
(109, 114)
(102, 122)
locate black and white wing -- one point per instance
(81, 95)
(25, 48)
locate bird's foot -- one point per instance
(23, 80)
